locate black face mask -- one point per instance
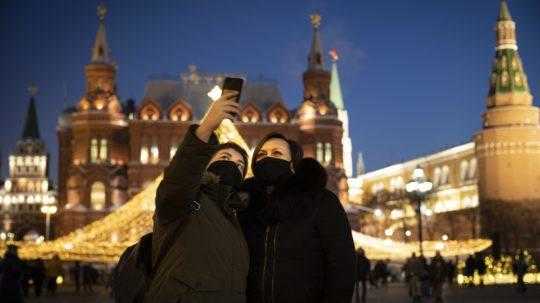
(227, 171)
(271, 170)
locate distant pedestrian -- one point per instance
(415, 270)
(89, 277)
(38, 276)
(450, 272)
(425, 283)
(27, 276)
(75, 272)
(53, 269)
(363, 272)
(437, 273)
(519, 268)
(468, 271)
(480, 266)
(380, 272)
(11, 275)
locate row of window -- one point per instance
(249, 115)
(324, 152)
(26, 199)
(27, 160)
(34, 208)
(25, 185)
(440, 176)
(20, 165)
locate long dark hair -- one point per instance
(296, 150)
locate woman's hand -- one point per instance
(225, 107)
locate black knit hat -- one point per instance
(237, 148)
(296, 150)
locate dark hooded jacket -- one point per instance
(198, 250)
(300, 242)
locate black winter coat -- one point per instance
(199, 253)
(300, 242)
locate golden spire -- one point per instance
(315, 20)
(33, 89)
(101, 12)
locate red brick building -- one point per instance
(110, 150)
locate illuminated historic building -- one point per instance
(489, 187)
(27, 188)
(110, 151)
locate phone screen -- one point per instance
(234, 84)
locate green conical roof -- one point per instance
(31, 128)
(335, 88)
(507, 73)
(504, 12)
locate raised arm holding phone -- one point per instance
(196, 252)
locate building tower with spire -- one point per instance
(27, 188)
(508, 146)
(337, 99)
(319, 123)
(94, 147)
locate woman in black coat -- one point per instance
(300, 242)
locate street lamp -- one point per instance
(417, 190)
(48, 210)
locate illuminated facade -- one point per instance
(27, 188)
(110, 151)
(489, 187)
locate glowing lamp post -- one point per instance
(417, 190)
(48, 210)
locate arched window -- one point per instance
(103, 150)
(472, 169)
(278, 113)
(320, 152)
(445, 175)
(94, 150)
(97, 196)
(180, 111)
(145, 155)
(327, 153)
(150, 111)
(436, 176)
(154, 154)
(463, 170)
(250, 114)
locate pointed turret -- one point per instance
(504, 12)
(100, 73)
(507, 75)
(100, 51)
(315, 56)
(507, 147)
(316, 78)
(335, 85)
(31, 128)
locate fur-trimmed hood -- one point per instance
(290, 198)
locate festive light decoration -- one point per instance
(104, 240)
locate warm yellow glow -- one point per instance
(93, 242)
(215, 93)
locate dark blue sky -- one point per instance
(414, 73)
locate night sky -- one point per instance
(414, 73)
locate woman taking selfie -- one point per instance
(300, 242)
(197, 251)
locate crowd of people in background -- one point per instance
(20, 279)
(426, 278)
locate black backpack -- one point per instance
(132, 274)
